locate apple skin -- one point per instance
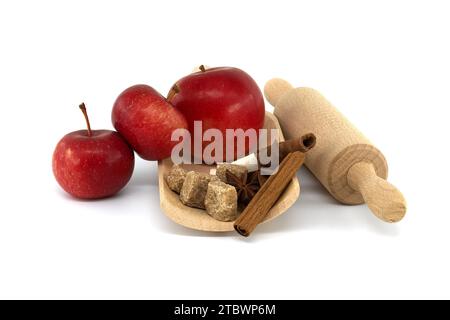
(93, 167)
(146, 120)
(223, 98)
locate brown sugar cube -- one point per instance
(194, 189)
(221, 201)
(214, 178)
(175, 178)
(237, 170)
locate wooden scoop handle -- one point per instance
(385, 200)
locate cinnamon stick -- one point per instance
(303, 144)
(265, 198)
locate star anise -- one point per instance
(261, 179)
(246, 187)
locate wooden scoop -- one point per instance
(198, 219)
(343, 160)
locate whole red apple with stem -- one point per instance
(146, 120)
(222, 98)
(92, 164)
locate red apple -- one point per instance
(92, 164)
(222, 98)
(146, 120)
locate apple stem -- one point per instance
(176, 88)
(173, 91)
(202, 68)
(83, 109)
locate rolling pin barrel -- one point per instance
(343, 160)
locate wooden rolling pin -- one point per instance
(343, 160)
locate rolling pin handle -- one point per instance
(383, 199)
(275, 89)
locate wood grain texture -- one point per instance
(385, 201)
(198, 219)
(340, 145)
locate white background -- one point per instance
(385, 64)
